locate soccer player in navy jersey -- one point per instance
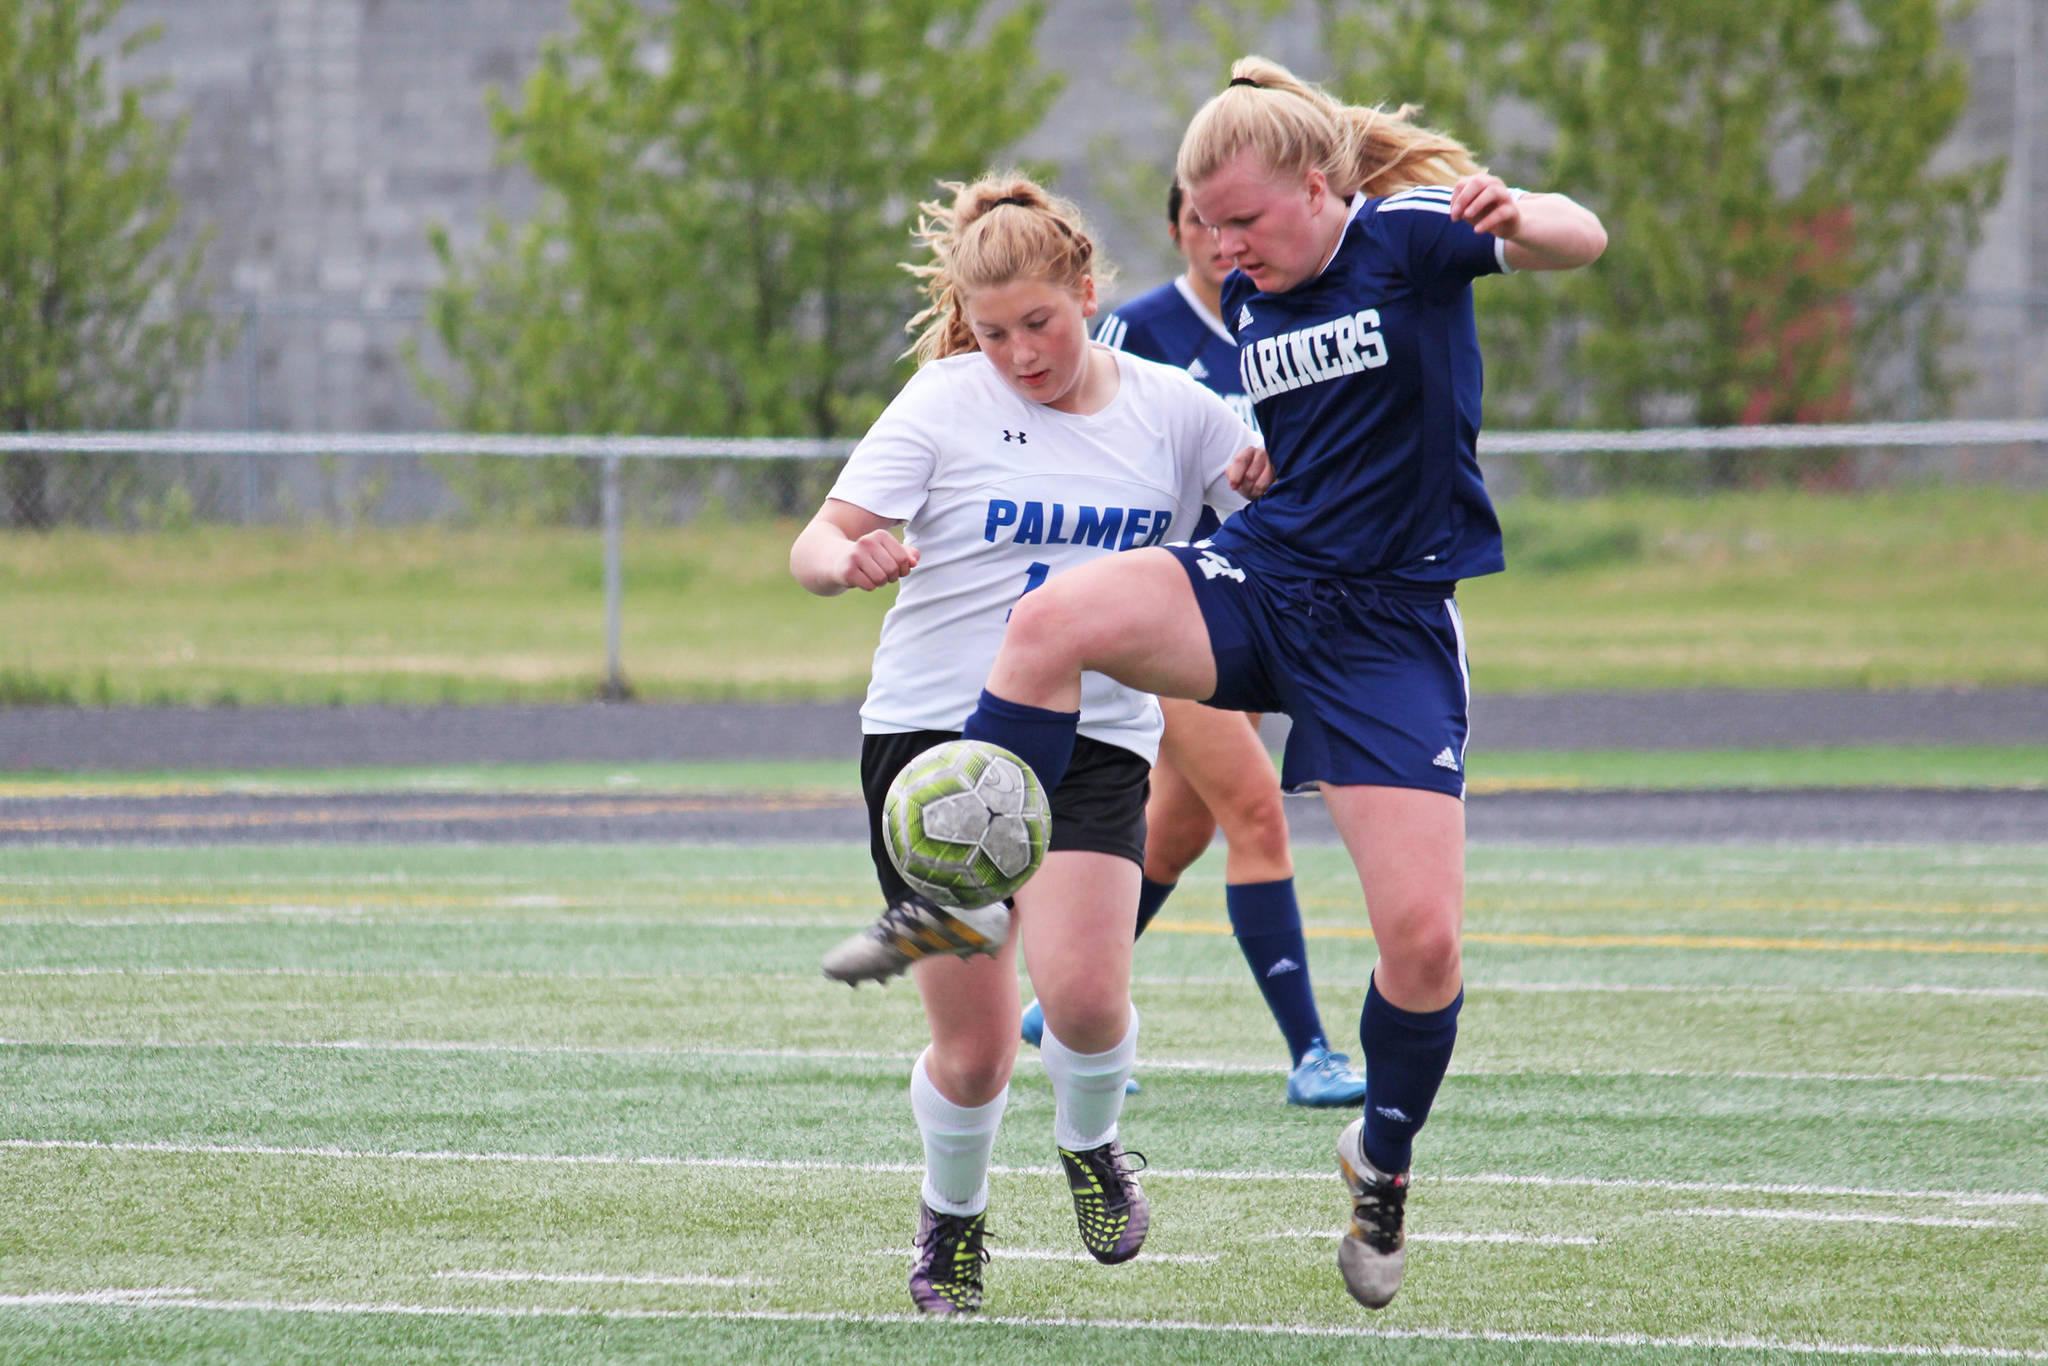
(1356, 235)
(1213, 768)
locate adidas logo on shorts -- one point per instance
(1446, 760)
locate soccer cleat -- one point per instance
(1374, 1250)
(945, 1277)
(1323, 1078)
(1033, 1029)
(1108, 1202)
(915, 928)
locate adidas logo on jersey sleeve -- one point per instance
(1244, 317)
(1198, 370)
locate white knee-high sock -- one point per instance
(958, 1140)
(1088, 1088)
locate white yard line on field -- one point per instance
(1528, 1239)
(1685, 1343)
(1189, 1065)
(826, 1165)
(597, 1278)
(1824, 1217)
(1474, 988)
(1035, 1254)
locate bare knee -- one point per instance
(968, 1071)
(1174, 839)
(1421, 965)
(1049, 626)
(1254, 823)
(1094, 1023)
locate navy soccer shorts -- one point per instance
(1372, 674)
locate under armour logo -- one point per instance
(1017, 437)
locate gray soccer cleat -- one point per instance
(916, 928)
(1374, 1249)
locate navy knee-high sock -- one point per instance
(1041, 738)
(1267, 922)
(1406, 1055)
(1151, 896)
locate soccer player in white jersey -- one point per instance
(1356, 235)
(1213, 768)
(1019, 452)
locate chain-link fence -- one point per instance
(157, 480)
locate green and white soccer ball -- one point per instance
(966, 823)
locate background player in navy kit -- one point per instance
(1019, 450)
(1213, 768)
(1356, 235)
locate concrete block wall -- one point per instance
(326, 135)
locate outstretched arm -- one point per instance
(848, 547)
(1542, 231)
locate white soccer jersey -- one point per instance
(999, 493)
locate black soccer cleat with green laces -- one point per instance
(1108, 1202)
(945, 1277)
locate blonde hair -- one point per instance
(1294, 126)
(1002, 228)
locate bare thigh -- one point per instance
(1132, 616)
(972, 1007)
(1225, 764)
(1409, 848)
(1079, 915)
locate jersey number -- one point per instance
(1034, 575)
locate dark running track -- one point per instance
(84, 740)
(89, 740)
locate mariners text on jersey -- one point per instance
(1367, 380)
(1310, 355)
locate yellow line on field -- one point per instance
(234, 820)
(1748, 942)
(286, 903)
(1816, 906)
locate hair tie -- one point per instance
(1010, 199)
(1246, 80)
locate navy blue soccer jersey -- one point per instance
(1169, 325)
(1366, 380)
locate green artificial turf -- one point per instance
(544, 1103)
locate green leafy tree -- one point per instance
(1782, 243)
(96, 323)
(727, 191)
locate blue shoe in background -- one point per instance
(1034, 1030)
(1324, 1079)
